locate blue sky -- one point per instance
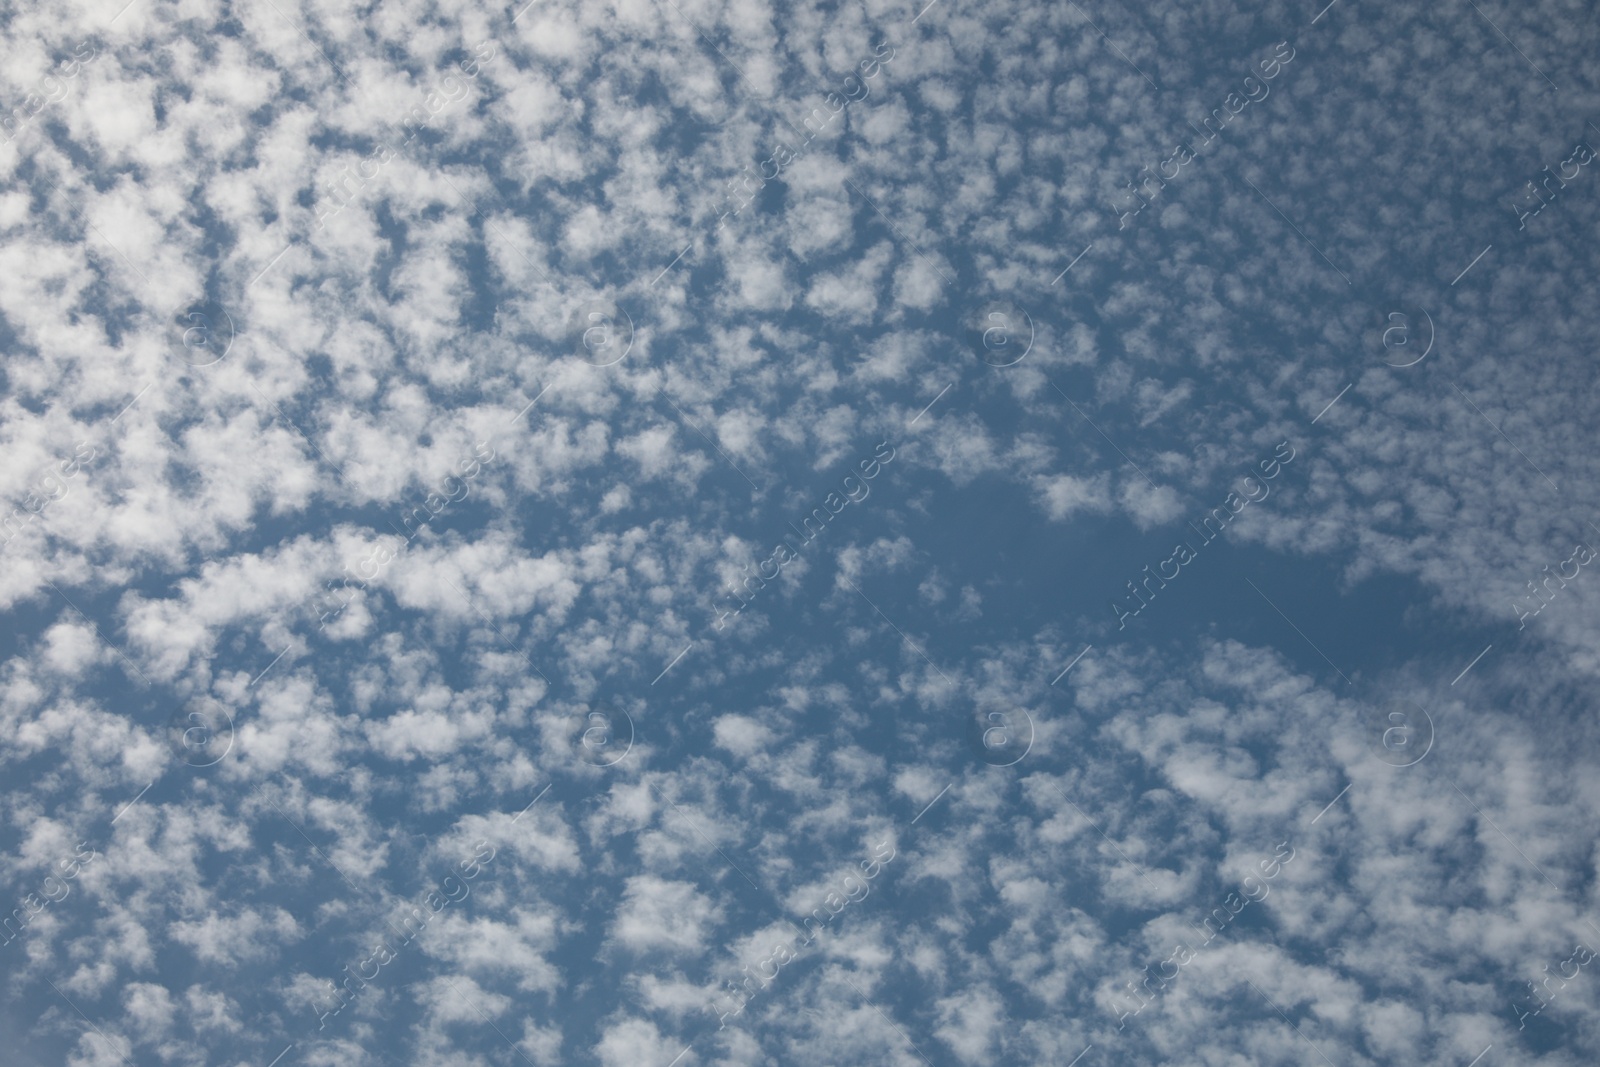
(664, 534)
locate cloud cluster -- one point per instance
(291, 285)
